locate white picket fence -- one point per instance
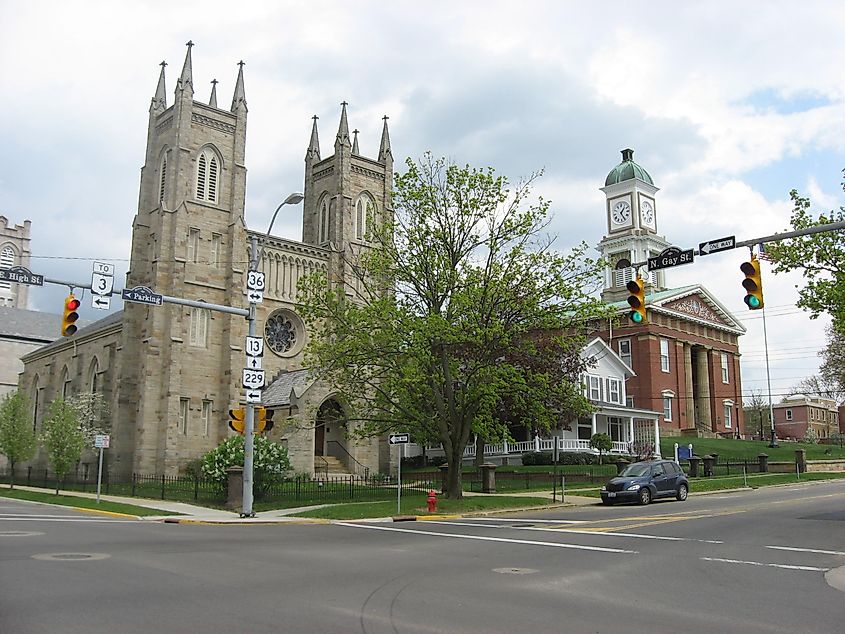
(541, 444)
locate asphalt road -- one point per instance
(762, 561)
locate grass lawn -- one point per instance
(417, 506)
(748, 449)
(735, 482)
(80, 502)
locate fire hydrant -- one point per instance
(432, 501)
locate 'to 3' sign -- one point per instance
(252, 379)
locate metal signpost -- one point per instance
(401, 440)
(101, 441)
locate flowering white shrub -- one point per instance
(270, 460)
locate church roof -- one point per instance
(88, 329)
(279, 391)
(627, 170)
(31, 325)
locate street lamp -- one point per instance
(249, 422)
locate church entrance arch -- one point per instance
(330, 430)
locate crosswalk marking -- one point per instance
(767, 565)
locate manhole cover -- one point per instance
(19, 533)
(515, 571)
(71, 556)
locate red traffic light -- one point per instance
(72, 304)
(70, 316)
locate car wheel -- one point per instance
(683, 492)
(645, 495)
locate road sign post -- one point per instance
(400, 440)
(101, 441)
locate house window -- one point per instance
(198, 335)
(664, 355)
(585, 432)
(7, 260)
(216, 239)
(193, 244)
(629, 401)
(789, 414)
(614, 390)
(728, 421)
(324, 221)
(206, 417)
(162, 181)
(594, 387)
(208, 172)
(625, 351)
(184, 404)
(363, 215)
(725, 367)
(667, 408)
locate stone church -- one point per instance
(686, 356)
(170, 373)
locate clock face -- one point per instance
(621, 212)
(648, 213)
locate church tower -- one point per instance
(188, 241)
(14, 251)
(631, 211)
(345, 195)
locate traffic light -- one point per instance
(70, 316)
(263, 420)
(637, 300)
(753, 283)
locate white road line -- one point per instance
(581, 532)
(4, 516)
(67, 519)
(808, 550)
(760, 563)
(524, 521)
(489, 539)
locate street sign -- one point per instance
(714, 246)
(669, 257)
(399, 439)
(254, 346)
(142, 295)
(100, 302)
(255, 297)
(255, 281)
(101, 441)
(21, 275)
(254, 363)
(102, 284)
(104, 269)
(252, 379)
(253, 396)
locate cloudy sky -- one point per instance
(728, 105)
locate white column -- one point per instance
(593, 432)
(657, 437)
(631, 429)
(537, 444)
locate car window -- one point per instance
(635, 470)
(657, 470)
(671, 468)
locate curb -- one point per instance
(84, 509)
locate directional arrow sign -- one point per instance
(399, 439)
(255, 297)
(714, 246)
(253, 363)
(100, 303)
(253, 396)
(142, 295)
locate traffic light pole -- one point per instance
(249, 419)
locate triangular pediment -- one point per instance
(697, 304)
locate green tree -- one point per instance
(18, 441)
(270, 461)
(832, 369)
(756, 414)
(460, 306)
(602, 442)
(92, 413)
(821, 258)
(63, 438)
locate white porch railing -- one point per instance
(542, 444)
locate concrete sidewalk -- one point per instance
(192, 514)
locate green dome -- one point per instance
(627, 170)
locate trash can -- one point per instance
(709, 461)
(763, 462)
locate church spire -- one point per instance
(239, 96)
(186, 79)
(313, 151)
(212, 101)
(384, 147)
(355, 142)
(343, 128)
(160, 99)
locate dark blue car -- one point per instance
(646, 481)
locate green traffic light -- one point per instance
(752, 301)
(636, 317)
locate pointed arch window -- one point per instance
(94, 376)
(364, 209)
(64, 384)
(208, 176)
(198, 335)
(36, 392)
(324, 221)
(162, 178)
(7, 260)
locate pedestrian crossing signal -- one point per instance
(70, 316)
(637, 300)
